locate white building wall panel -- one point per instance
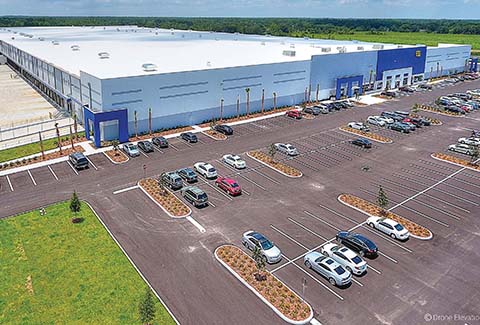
(442, 61)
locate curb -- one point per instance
(114, 162)
(282, 316)
(165, 210)
(370, 215)
(208, 135)
(452, 163)
(279, 171)
(366, 136)
(441, 113)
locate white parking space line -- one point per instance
(155, 148)
(91, 163)
(196, 224)
(289, 237)
(266, 176)
(31, 177)
(126, 189)
(53, 173)
(73, 168)
(143, 153)
(321, 220)
(306, 229)
(388, 257)
(337, 213)
(315, 322)
(218, 190)
(381, 235)
(373, 269)
(245, 192)
(9, 183)
(253, 182)
(173, 147)
(200, 141)
(211, 203)
(188, 144)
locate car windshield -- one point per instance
(266, 244)
(339, 270)
(202, 196)
(356, 260)
(190, 172)
(234, 185)
(399, 227)
(82, 161)
(132, 147)
(211, 170)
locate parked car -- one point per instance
(345, 257)
(205, 169)
(358, 126)
(407, 89)
(402, 113)
(410, 125)
(271, 253)
(461, 148)
(389, 227)
(131, 149)
(314, 110)
(223, 128)
(189, 137)
(389, 93)
(376, 120)
(160, 142)
(400, 127)
(386, 119)
(187, 174)
(78, 160)
(286, 148)
(145, 146)
(362, 142)
(357, 242)
(323, 108)
(195, 196)
(420, 121)
(411, 121)
(294, 113)
(327, 267)
(229, 185)
(172, 180)
(425, 86)
(470, 141)
(392, 115)
(234, 161)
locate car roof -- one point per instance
(229, 180)
(362, 238)
(78, 155)
(195, 189)
(389, 221)
(257, 235)
(347, 252)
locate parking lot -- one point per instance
(406, 280)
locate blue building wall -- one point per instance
(401, 58)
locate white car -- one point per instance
(345, 257)
(461, 148)
(376, 120)
(286, 148)
(387, 120)
(470, 141)
(358, 126)
(271, 253)
(389, 227)
(205, 169)
(234, 161)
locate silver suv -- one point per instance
(172, 180)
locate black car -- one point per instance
(362, 142)
(145, 146)
(421, 120)
(78, 160)
(407, 89)
(336, 106)
(388, 93)
(357, 242)
(394, 116)
(160, 142)
(425, 86)
(187, 174)
(225, 129)
(312, 110)
(400, 127)
(189, 137)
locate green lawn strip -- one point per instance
(31, 148)
(78, 273)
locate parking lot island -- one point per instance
(370, 209)
(282, 168)
(273, 292)
(368, 135)
(165, 199)
(215, 135)
(438, 110)
(116, 156)
(432, 120)
(456, 161)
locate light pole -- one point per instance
(304, 286)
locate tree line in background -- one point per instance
(273, 26)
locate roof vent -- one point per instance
(326, 49)
(75, 48)
(209, 64)
(103, 55)
(149, 67)
(41, 39)
(292, 46)
(263, 43)
(360, 48)
(341, 49)
(289, 53)
(55, 42)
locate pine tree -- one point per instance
(75, 204)
(382, 200)
(146, 308)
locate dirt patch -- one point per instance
(368, 135)
(281, 167)
(117, 156)
(20, 250)
(456, 160)
(166, 199)
(49, 156)
(216, 135)
(29, 285)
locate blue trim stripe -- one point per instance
(242, 86)
(184, 94)
(184, 85)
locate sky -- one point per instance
(438, 9)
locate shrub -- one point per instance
(77, 220)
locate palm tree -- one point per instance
(221, 109)
(274, 101)
(263, 100)
(238, 106)
(309, 92)
(41, 144)
(247, 90)
(58, 138)
(316, 94)
(150, 121)
(135, 123)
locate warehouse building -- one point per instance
(122, 80)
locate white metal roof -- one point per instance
(120, 51)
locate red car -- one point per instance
(229, 185)
(294, 114)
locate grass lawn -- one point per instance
(54, 271)
(31, 148)
(430, 39)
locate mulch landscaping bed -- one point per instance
(368, 135)
(456, 160)
(282, 168)
(166, 199)
(272, 289)
(308, 116)
(161, 133)
(433, 121)
(245, 117)
(39, 158)
(216, 135)
(117, 156)
(374, 210)
(437, 111)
